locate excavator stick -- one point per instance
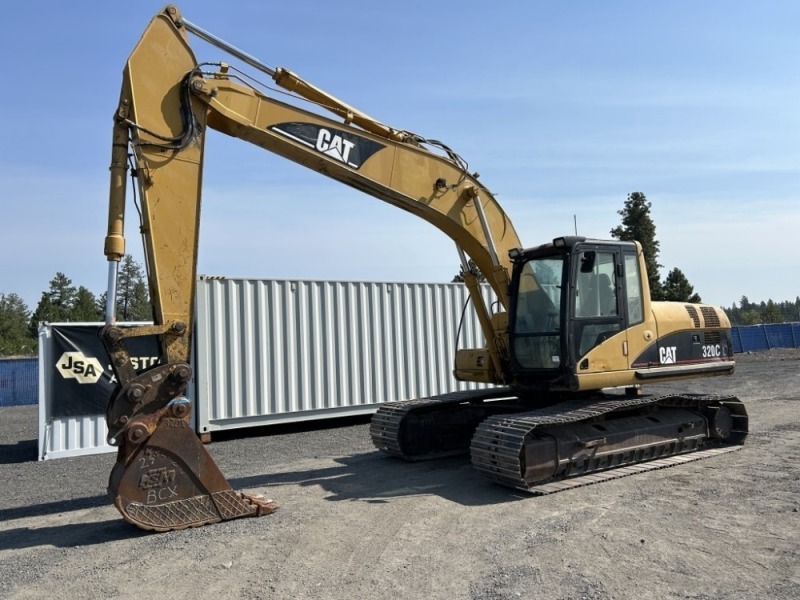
(167, 480)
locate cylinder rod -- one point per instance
(487, 232)
(463, 257)
(111, 292)
(232, 50)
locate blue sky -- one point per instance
(564, 108)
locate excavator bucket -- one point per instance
(167, 480)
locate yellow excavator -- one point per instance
(571, 340)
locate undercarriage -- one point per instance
(544, 445)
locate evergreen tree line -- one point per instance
(752, 313)
(65, 303)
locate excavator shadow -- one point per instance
(376, 478)
(70, 535)
(371, 478)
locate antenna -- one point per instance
(575, 223)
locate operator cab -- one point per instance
(567, 297)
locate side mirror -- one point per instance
(587, 261)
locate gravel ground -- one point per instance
(355, 524)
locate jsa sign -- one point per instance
(74, 365)
(81, 381)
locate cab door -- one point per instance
(642, 326)
(598, 339)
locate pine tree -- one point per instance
(55, 305)
(771, 313)
(637, 225)
(15, 339)
(85, 307)
(133, 300)
(744, 304)
(677, 288)
(473, 268)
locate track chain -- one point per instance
(386, 425)
(497, 446)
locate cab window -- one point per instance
(633, 289)
(537, 320)
(596, 306)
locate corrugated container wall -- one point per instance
(276, 350)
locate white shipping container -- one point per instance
(272, 351)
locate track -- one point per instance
(391, 427)
(563, 445)
(499, 445)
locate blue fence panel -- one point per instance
(19, 381)
(782, 336)
(751, 338)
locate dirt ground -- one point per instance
(355, 524)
